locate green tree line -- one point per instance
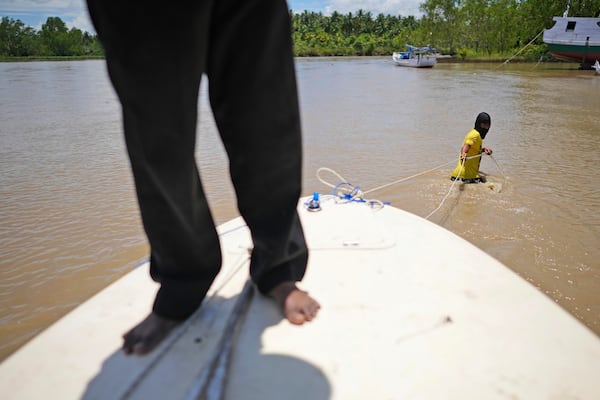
(479, 28)
(52, 40)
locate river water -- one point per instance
(69, 223)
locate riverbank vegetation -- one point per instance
(464, 29)
(53, 40)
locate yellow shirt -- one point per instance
(471, 167)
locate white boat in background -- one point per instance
(416, 57)
(575, 39)
(596, 66)
(409, 311)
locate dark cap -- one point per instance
(483, 118)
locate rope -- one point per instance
(524, 47)
(498, 166)
(408, 178)
(360, 193)
(539, 61)
(346, 192)
(462, 165)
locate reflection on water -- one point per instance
(69, 219)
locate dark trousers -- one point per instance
(156, 54)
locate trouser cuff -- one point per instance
(291, 271)
(179, 300)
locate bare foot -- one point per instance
(148, 334)
(298, 307)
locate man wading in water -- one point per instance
(156, 53)
(471, 151)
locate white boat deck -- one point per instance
(409, 311)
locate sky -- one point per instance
(74, 13)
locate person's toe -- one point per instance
(296, 317)
(129, 343)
